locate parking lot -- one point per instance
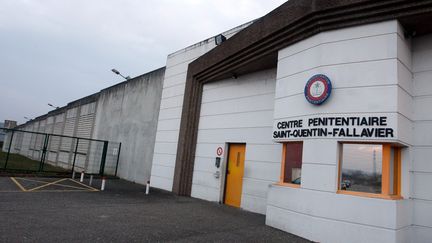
(62, 210)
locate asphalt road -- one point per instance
(122, 213)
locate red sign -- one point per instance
(219, 151)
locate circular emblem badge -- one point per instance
(318, 89)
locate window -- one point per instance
(291, 163)
(370, 170)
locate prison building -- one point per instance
(316, 115)
(323, 67)
(125, 113)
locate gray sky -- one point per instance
(361, 157)
(56, 51)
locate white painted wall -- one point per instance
(421, 170)
(165, 151)
(370, 70)
(238, 111)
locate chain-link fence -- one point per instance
(41, 152)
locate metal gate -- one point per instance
(27, 151)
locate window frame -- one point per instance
(282, 174)
(385, 175)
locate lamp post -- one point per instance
(118, 73)
(55, 107)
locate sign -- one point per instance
(337, 126)
(219, 151)
(318, 89)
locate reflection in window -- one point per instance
(361, 167)
(293, 162)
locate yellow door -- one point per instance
(234, 178)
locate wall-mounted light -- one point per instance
(219, 39)
(410, 34)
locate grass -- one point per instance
(19, 162)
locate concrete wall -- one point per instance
(238, 111)
(2, 135)
(165, 151)
(128, 113)
(370, 71)
(421, 170)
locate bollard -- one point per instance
(73, 175)
(103, 184)
(147, 187)
(82, 177)
(91, 180)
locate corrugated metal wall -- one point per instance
(54, 146)
(76, 120)
(66, 144)
(84, 130)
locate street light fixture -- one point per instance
(55, 107)
(28, 119)
(118, 73)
